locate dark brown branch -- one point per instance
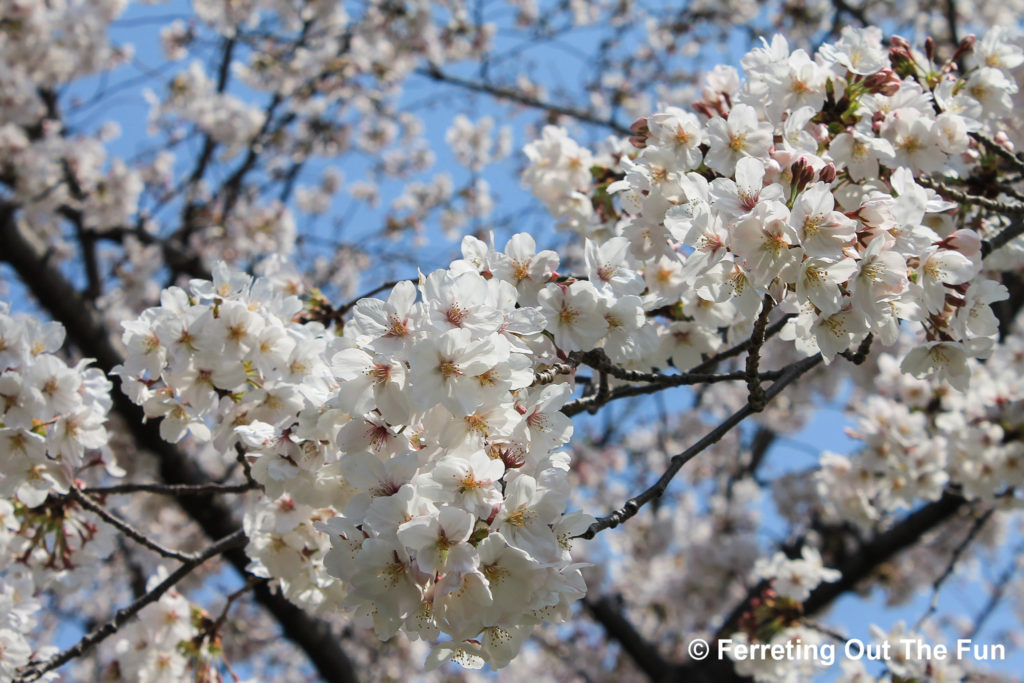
(633, 506)
(125, 528)
(953, 20)
(880, 549)
(643, 653)
(655, 385)
(1012, 231)
(168, 489)
(854, 566)
(90, 640)
(512, 95)
(757, 336)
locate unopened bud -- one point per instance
(703, 108)
(642, 131)
(900, 43)
(807, 176)
(966, 45)
(929, 48)
(1003, 140)
(828, 173)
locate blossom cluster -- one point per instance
(418, 440)
(921, 440)
(51, 414)
(799, 182)
(19, 608)
(410, 458)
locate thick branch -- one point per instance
(756, 391)
(879, 550)
(643, 653)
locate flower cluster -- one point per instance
(51, 413)
(799, 183)
(920, 440)
(19, 606)
(795, 578)
(419, 434)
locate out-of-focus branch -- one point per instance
(854, 568)
(954, 557)
(961, 197)
(513, 95)
(642, 651)
(1001, 585)
(952, 18)
(877, 551)
(1006, 155)
(1014, 230)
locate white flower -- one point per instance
(573, 315)
(767, 241)
(609, 268)
(442, 369)
(820, 279)
(941, 267)
(740, 136)
(946, 361)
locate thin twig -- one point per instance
(433, 72)
(953, 559)
(33, 672)
(734, 351)
(125, 528)
(1002, 583)
(169, 489)
(667, 381)
(246, 467)
(632, 506)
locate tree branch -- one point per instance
(125, 528)
(512, 95)
(643, 653)
(33, 672)
(632, 506)
(168, 489)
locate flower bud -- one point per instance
(828, 173)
